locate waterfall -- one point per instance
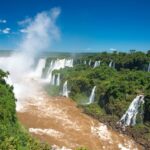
(129, 118)
(84, 62)
(90, 62)
(110, 64)
(148, 68)
(57, 65)
(58, 80)
(40, 67)
(50, 70)
(92, 96)
(53, 80)
(65, 89)
(97, 63)
(68, 63)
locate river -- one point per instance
(58, 121)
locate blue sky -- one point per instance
(85, 25)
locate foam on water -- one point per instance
(49, 132)
(129, 118)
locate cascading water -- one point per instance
(40, 67)
(65, 89)
(50, 70)
(148, 68)
(90, 62)
(85, 62)
(110, 64)
(68, 63)
(58, 64)
(97, 63)
(58, 80)
(129, 118)
(53, 79)
(92, 96)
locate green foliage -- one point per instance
(52, 90)
(94, 110)
(116, 87)
(81, 148)
(80, 98)
(12, 135)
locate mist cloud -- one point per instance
(39, 34)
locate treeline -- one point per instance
(115, 90)
(133, 60)
(12, 135)
(116, 86)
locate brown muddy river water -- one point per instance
(58, 121)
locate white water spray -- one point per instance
(110, 64)
(50, 70)
(40, 67)
(97, 64)
(65, 89)
(58, 80)
(92, 96)
(53, 81)
(58, 64)
(38, 35)
(129, 118)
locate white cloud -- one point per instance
(112, 49)
(23, 30)
(5, 31)
(40, 34)
(25, 22)
(40, 31)
(3, 21)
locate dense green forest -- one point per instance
(12, 135)
(116, 86)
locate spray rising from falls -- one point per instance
(129, 118)
(65, 89)
(38, 35)
(92, 96)
(40, 67)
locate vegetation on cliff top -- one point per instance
(116, 86)
(12, 135)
